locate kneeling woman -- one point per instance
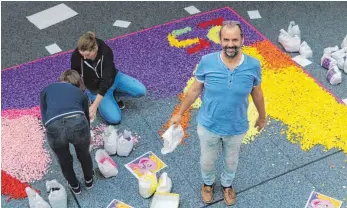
(93, 59)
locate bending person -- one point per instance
(65, 115)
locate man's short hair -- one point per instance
(73, 77)
(230, 24)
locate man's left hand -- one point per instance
(260, 124)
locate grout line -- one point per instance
(289, 171)
(175, 162)
(288, 157)
(282, 174)
(78, 204)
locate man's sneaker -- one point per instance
(229, 196)
(76, 190)
(121, 104)
(207, 194)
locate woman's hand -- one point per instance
(94, 107)
(92, 112)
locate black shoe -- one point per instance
(89, 183)
(76, 190)
(227, 187)
(121, 104)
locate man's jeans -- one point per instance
(123, 85)
(210, 145)
(74, 130)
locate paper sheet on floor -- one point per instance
(320, 200)
(146, 162)
(117, 203)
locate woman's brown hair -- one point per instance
(87, 42)
(73, 77)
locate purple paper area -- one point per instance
(21, 87)
(145, 55)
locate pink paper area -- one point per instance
(16, 113)
(22, 145)
(98, 140)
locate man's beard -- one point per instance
(231, 54)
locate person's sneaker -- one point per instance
(89, 183)
(121, 104)
(229, 196)
(76, 190)
(207, 194)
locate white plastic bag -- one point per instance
(344, 42)
(326, 61)
(166, 200)
(57, 194)
(290, 44)
(35, 200)
(124, 146)
(110, 140)
(334, 75)
(338, 54)
(341, 61)
(165, 184)
(345, 66)
(293, 29)
(108, 130)
(305, 50)
(172, 137)
(107, 166)
(148, 184)
(330, 50)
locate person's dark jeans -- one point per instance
(75, 130)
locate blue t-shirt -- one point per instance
(225, 97)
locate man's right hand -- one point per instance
(176, 120)
(192, 94)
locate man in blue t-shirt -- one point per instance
(227, 78)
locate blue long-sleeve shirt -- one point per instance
(62, 99)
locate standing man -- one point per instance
(227, 78)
